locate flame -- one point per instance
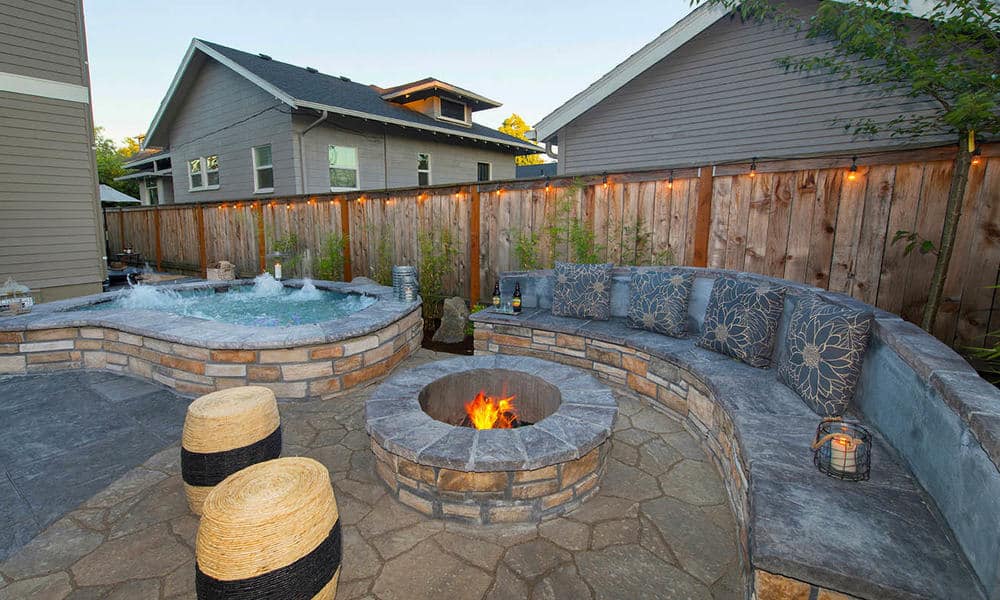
(488, 412)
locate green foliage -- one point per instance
(470, 327)
(110, 159)
(637, 246)
(515, 126)
(583, 247)
(914, 241)
(381, 267)
(290, 248)
(526, 250)
(437, 255)
(330, 258)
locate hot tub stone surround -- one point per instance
(195, 356)
(492, 476)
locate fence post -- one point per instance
(159, 246)
(703, 216)
(474, 245)
(258, 210)
(202, 252)
(345, 232)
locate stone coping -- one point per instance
(204, 333)
(584, 419)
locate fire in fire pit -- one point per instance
(488, 412)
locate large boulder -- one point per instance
(453, 320)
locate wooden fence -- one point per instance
(809, 220)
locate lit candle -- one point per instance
(277, 270)
(844, 453)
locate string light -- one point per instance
(753, 167)
(670, 180)
(976, 156)
(500, 191)
(852, 173)
(548, 183)
(604, 182)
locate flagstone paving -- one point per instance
(659, 528)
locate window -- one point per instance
(152, 191)
(263, 169)
(452, 110)
(343, 168)
(203, 173)
(484, 171)
(423, 169)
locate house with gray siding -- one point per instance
(238, 125)
(709, 90)
(51, 232)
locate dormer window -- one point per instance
(452, 110)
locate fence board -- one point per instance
(872, 238)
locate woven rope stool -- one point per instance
(270, 531)
(224, 432)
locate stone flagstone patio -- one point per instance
(661, 527)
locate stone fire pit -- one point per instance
(541, 469)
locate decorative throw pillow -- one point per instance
(658, 301)
(825, 347)
(741, 319)
(582, 291)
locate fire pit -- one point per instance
(491, 439)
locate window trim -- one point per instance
(428, 170)
(441, 117)
(255, 168)
(357, 169)
(155, 187)
(203, 173)
(489, 166)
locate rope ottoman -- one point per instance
(270, 531)
(224, 432)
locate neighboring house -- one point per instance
(235, 125)
(707, 91)
(533, 171)
(50, 220)
(153, 170)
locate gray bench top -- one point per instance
(881, 538)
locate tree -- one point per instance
(515, 126)
(110, 161)
(950, 57)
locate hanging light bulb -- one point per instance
(753, 167)
(852, 173)
(670, 181)
(548, 183)
(977, 156)
(604, 183)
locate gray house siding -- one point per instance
(450, 163)
(41, 39)
(247, 116)
(50, 220)
(721, 97)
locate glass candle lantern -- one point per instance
(842, 449)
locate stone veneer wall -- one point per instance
(293, 373)
(492, 496)
(675, 390)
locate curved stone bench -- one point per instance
(927, 523)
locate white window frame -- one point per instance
(440, 116)
(489, 165)
(152, 184)
(357, 168)
(202, 173)
(428, 170)
(256, 168)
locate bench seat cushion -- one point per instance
(874, 539)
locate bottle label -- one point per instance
(516, 303)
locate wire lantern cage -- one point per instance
(842, 449)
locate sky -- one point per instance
(531, 56)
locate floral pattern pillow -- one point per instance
(658, 301)
(742, 318)
(582, 291)
(826, 345)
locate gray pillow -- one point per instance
(658, 301)
(582, 291)
(741, 319)
(825, 346)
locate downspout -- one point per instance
(302, 150)
(549, 152)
